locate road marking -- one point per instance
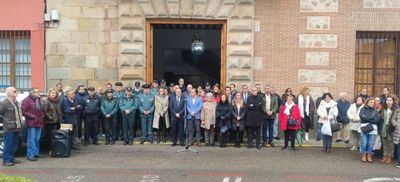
(73, 178)
(238, 179)
(381, 179)
(227, 179)
(150, 178)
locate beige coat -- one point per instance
(161, 109)
(208, 114)
(354, 115)
(396, 123)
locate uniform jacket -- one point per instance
(128, 103)
(208, 114)
(70, 116)
(283, 118)
(80, 100)
(146, 103)
(254, 110)
(235, 112)
(109, 106)
(194, 107)
(92, 104)
(273, 106)
(34, 116)
(7, 116)
(161, 109)
(175, 108)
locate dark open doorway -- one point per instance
(173, 57)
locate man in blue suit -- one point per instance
(177, 110)
(193, 106)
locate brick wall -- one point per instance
(292, 53)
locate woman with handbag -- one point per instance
(327, 112)
(53, 114)
(290, 120)
(238, 115)
(223, 119)
(387, 129)
(370, 119)
(208, 119)
(354, 115)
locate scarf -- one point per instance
(54, 99)
(288, 107)
(18, 113)
(301, 105)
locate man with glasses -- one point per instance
(11, 116)
(34, 116)
(255, 116)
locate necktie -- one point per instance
(179, 100)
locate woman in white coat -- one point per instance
(327, 112)
(354, 115)
(161, 120)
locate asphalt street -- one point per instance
(156, 162)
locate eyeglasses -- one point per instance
(15, 91)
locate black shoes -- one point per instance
(38, 156)
(125, 143)
(142, 142)
(174, 144)
(277, 138)
(338, 140)
(32, 158)
(249, 146)
(346, 141)
(258, 147)
(95, 142)
(107, 142)
(112, 142)
(15, 161)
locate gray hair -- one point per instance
(8, 90)
(209, 94)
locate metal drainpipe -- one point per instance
(44, 48)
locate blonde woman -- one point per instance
(53, 113)
(161, 119)
(354, 116)
(238, 115)
(307, 108)
(208, 119)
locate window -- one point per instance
(377, 62)
(15, 59)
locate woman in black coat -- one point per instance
(238, 115)
(223, 119)
(254, 118)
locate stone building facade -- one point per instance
(291, 43)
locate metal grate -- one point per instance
(15, 59)
(377, 62)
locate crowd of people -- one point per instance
(201, 116)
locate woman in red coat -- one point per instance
(290, 111)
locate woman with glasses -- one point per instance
(327, 112)
(288, 92)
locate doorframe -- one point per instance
(149, 43)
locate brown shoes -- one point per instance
(369, 158)
(389, 160)
(384, 159)
(364, 157)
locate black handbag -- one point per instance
(292, 122)
(391, 128)
(367, 128)
(335, 127)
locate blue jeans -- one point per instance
(276, 122)
(319, 135)
(10, 145)
(33, 143)
(268, 130)
(147, 128)
(367, 142)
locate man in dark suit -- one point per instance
(245, 92)
(177, 109)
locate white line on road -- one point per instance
(227, 179)
(73, 178)
(381, 179)
(150, 178)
